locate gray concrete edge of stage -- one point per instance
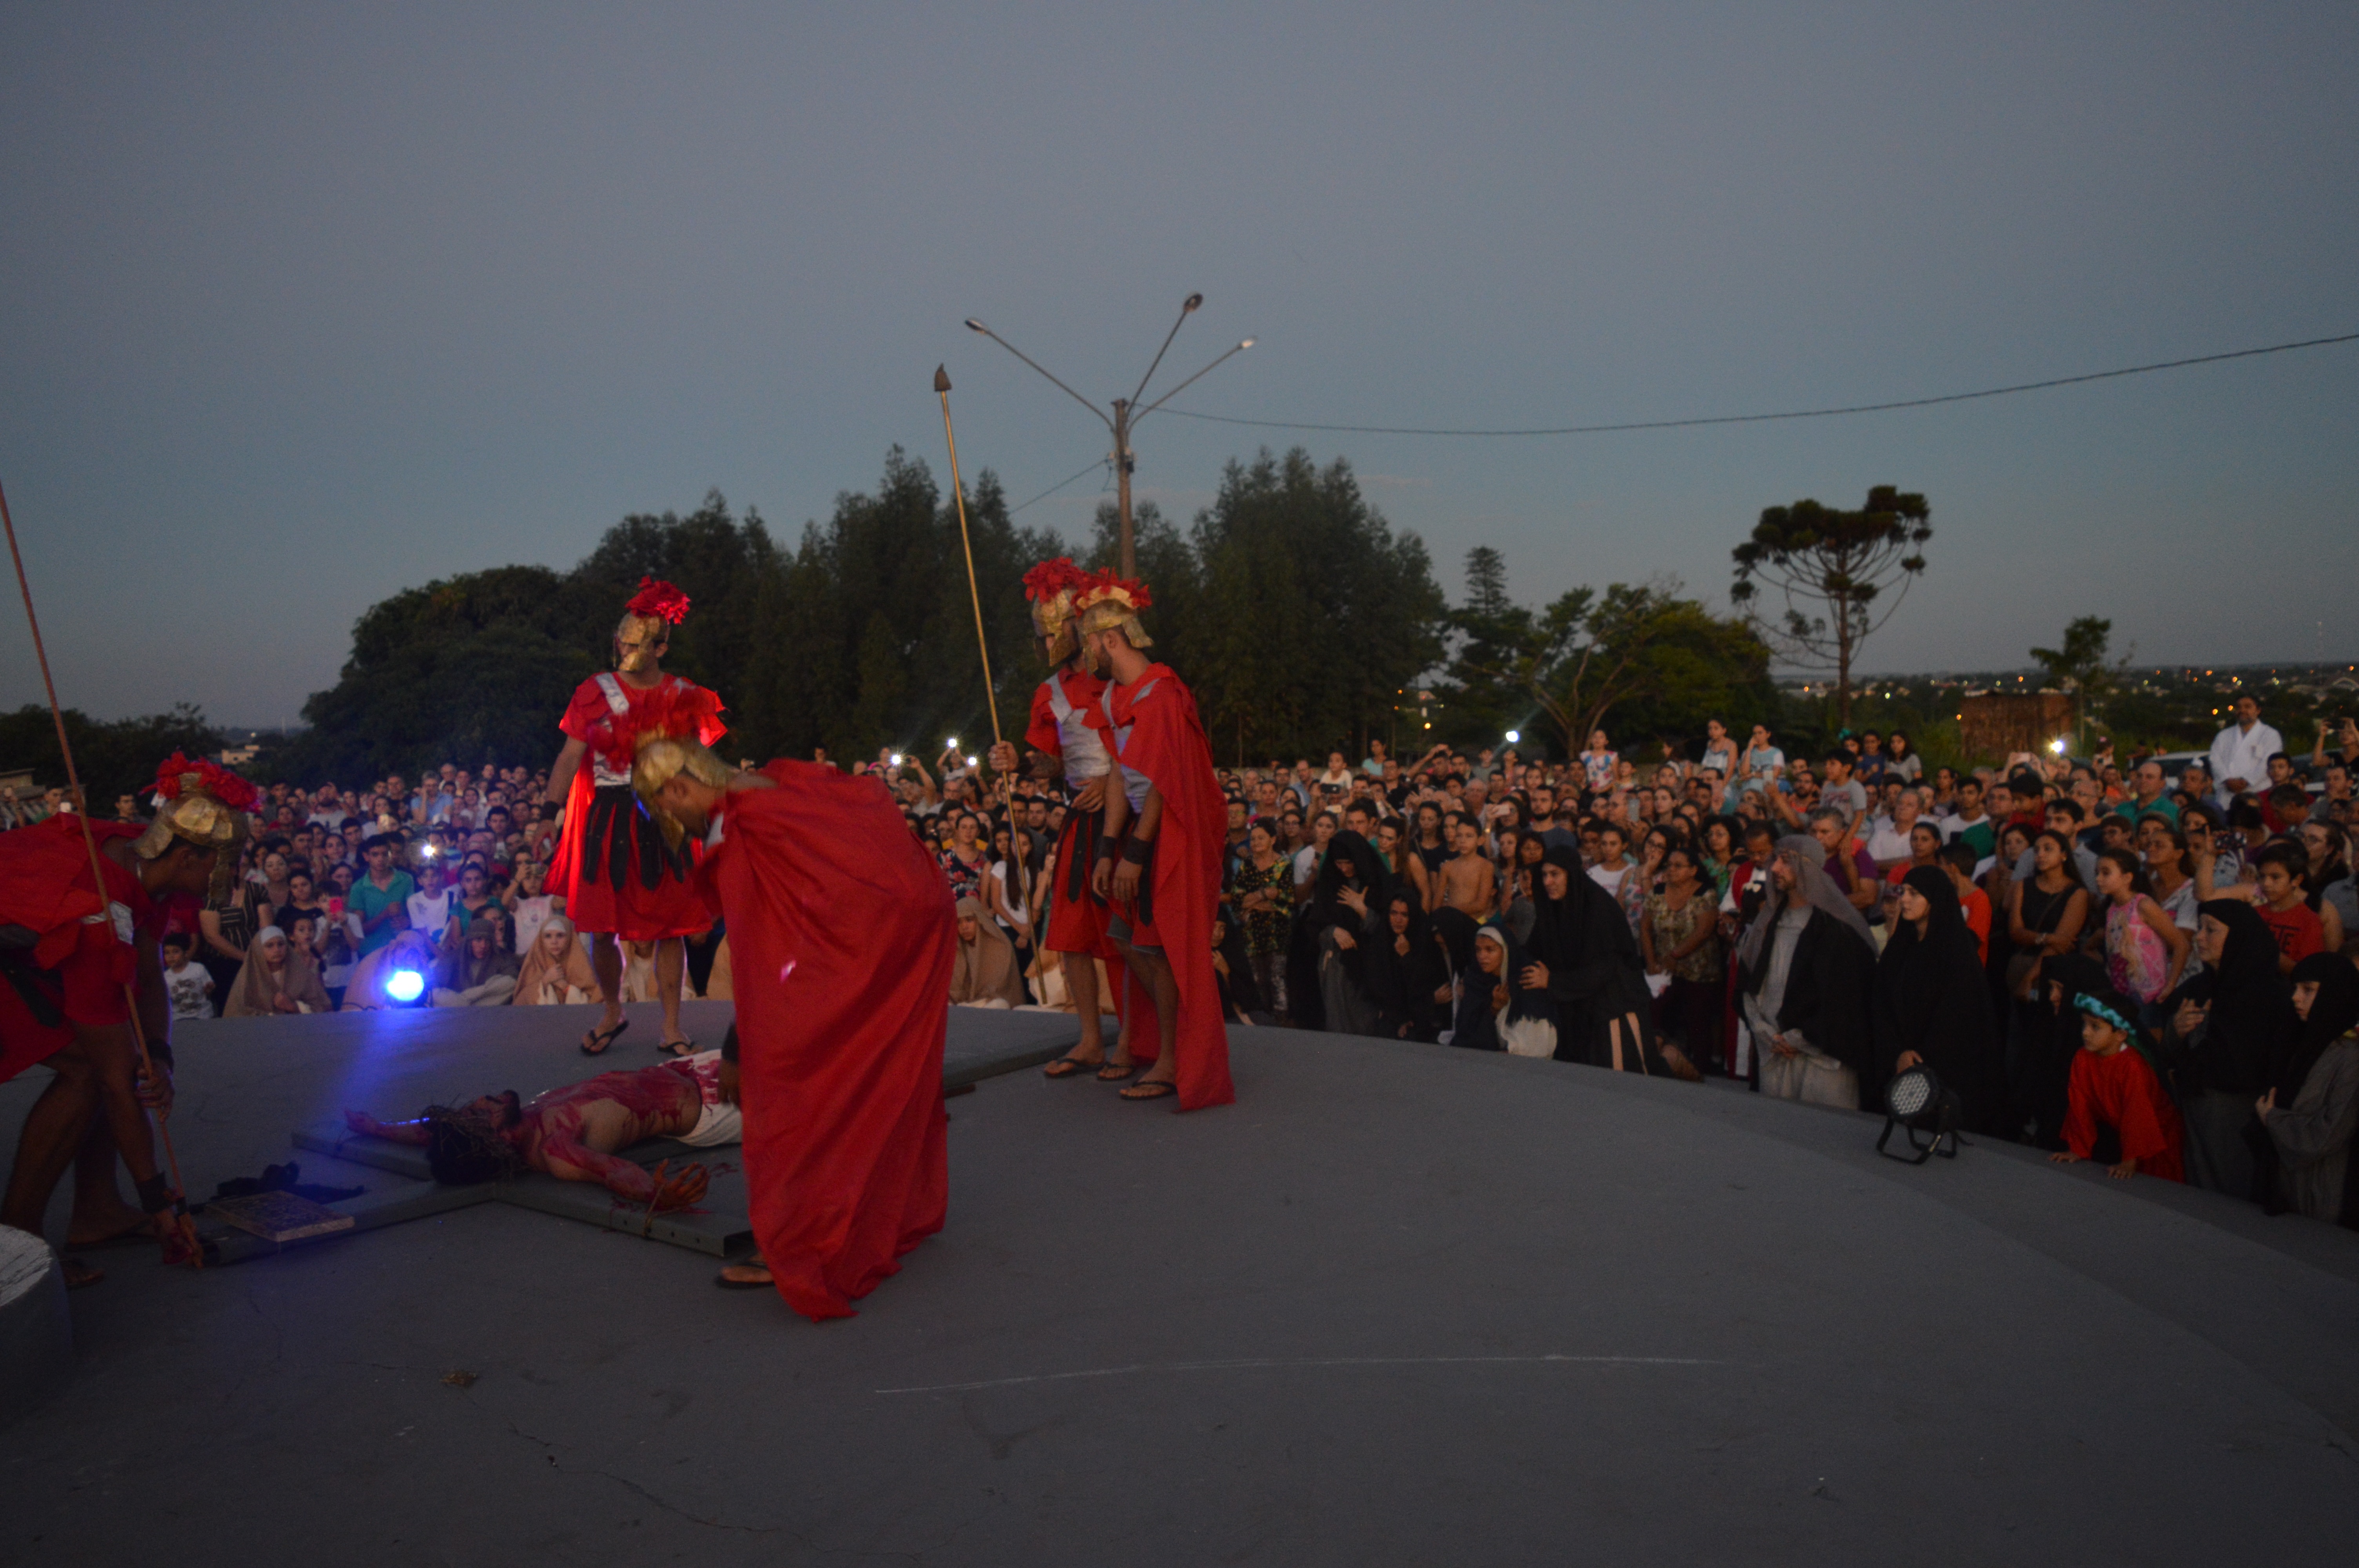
(37, 1358)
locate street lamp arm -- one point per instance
(1027, 359)
(1193, 300)
(1191, 381)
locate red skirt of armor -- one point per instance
(1077, 917)
(635, 890)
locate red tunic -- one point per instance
(629, 909)
(841, 936)
(2122, 1092)
(1158, 735)
(82, 959)
(1077, 920)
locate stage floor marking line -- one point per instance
(1286, 1363)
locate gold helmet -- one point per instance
(204, 803)
(1104, 602)
(1051, 586)
(662, 758)
(647, 624)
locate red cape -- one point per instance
(841, 936)
(1162, 738)
(46, 888)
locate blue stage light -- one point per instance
(405, 984)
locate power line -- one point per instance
(1795, 413)
(1060, 484)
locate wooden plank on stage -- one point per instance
(724, 1228)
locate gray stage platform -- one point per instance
(1401, 1305)
(537, 1048)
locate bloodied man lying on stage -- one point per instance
(575, 1132)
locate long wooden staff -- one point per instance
(958, 491)
(185, 1225)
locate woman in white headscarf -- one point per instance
(556, 971)
(275, 980)
(984, 972)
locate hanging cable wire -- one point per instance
(1060, 484)
(1795, 413)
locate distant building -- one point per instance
(1991, 725)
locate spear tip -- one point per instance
(942, 379)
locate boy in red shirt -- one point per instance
(2285, 907)
(2115, 1090)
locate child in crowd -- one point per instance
(2285, 907)
(189, 986)
(2117, 1098)
(2144, 949)
(1959, 860)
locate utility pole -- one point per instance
(1124, 418)
(1122, 463)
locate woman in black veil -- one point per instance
(1348, 906)
(1932, 1002)
(1495, 1011)
(1402, 969)
(1583, 956)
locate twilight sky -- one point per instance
(304, 305)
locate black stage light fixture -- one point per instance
(1916, 1101)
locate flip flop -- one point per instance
(1071, 1067)
(79, 1275)
(726, 1283)
(1116, 1072)
(1151, 1088)
(603, 1038)
(676, 1048)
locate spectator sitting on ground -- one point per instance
(275, 980)
(557, 972)
(478, 971)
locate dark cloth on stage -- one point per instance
(1932, 997)
(841, 938)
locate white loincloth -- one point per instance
(717, 1124)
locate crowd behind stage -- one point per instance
(2155, 971)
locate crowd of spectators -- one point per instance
(1986, 913)
(1982, 920)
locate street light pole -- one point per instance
(1124, 418)
(1122, 467)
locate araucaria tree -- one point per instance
(1832, 568)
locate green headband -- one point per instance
(2088, 1004)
